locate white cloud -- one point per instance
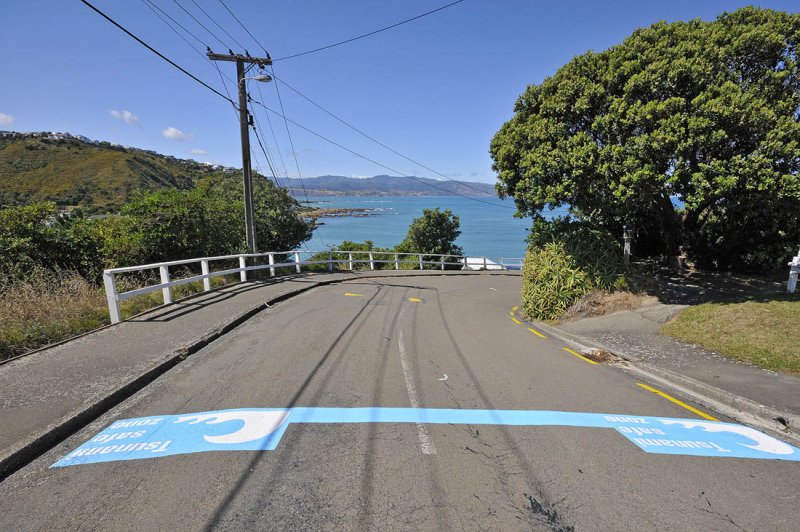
(6, 120)
(125, 116)
(195, 151)
(174, 133)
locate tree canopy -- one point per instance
(433, 233)
(702, 115)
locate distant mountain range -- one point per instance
(99, 176)
(384, 185)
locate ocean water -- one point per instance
(486, 230)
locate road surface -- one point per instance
(401, 344)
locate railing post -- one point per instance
(371, 261)
(420, 261)
(484, 262)
(111, 295)
(396, 263)
(271, 262)
(442, 262)
(350, 261)
(297, 261)
(243, 273)
(167, 290)
(206, 280)
(330, 261)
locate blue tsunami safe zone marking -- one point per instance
(260, 429)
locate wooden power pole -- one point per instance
(241, 70)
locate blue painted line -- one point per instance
(260, 429)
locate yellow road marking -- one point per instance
(515, 320)
(514, 308)
(537, 333)
(677, 402)
(353, 295)
(568, 350)
(511, 313)
(415, 300)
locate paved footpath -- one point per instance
(415, 403)
(635, 335)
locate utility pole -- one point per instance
(244, 121)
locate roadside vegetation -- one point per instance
(756, 332)
(51, 266)
(685, 135)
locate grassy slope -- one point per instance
(764, 334)
(96, 178)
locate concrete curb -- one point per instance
(782, 424)
(23, 453)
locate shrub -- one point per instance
(551, 281)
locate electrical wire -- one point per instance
(376, 141)
(201, 24)
(243, 27)
(373, 161)
(209, 17)
(159, 54)
(370, 33)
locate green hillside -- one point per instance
(97, 177)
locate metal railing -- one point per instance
(340, 260)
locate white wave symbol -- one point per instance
(257, 424)
(764, 443)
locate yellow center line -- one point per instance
(353, 295)
(568, 350)
(514, 308)
(515, 320)
(415, 300)
(511, 313)
(677, 402)
(537, 333)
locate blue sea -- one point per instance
(486, 230)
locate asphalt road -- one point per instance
(390, 343)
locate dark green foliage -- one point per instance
(433, 233)
(705, 112)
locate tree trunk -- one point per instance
(670, 228)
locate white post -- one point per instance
(330, 261)
(271, 262)
(243, 273)
(297, 261)
(371, 261)
(794, 271)
(484, 262)
(396, 263)
(420, 261)
(206, 280)
(166, 291)
(111, 295)
(350, 261)
(626, 248)
(442, 262)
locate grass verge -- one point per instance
(760, 333)
(52, 307)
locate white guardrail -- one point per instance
(334, 257)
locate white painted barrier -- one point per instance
(794, 271)
(292, 260)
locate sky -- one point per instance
(436, 89)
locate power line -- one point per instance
(159, 54)
(201, 24)
(373, 161)
(370, 33)
(209, 17)
(376, 141)
(243, 27)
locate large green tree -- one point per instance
(705, 113)
(433, 233)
